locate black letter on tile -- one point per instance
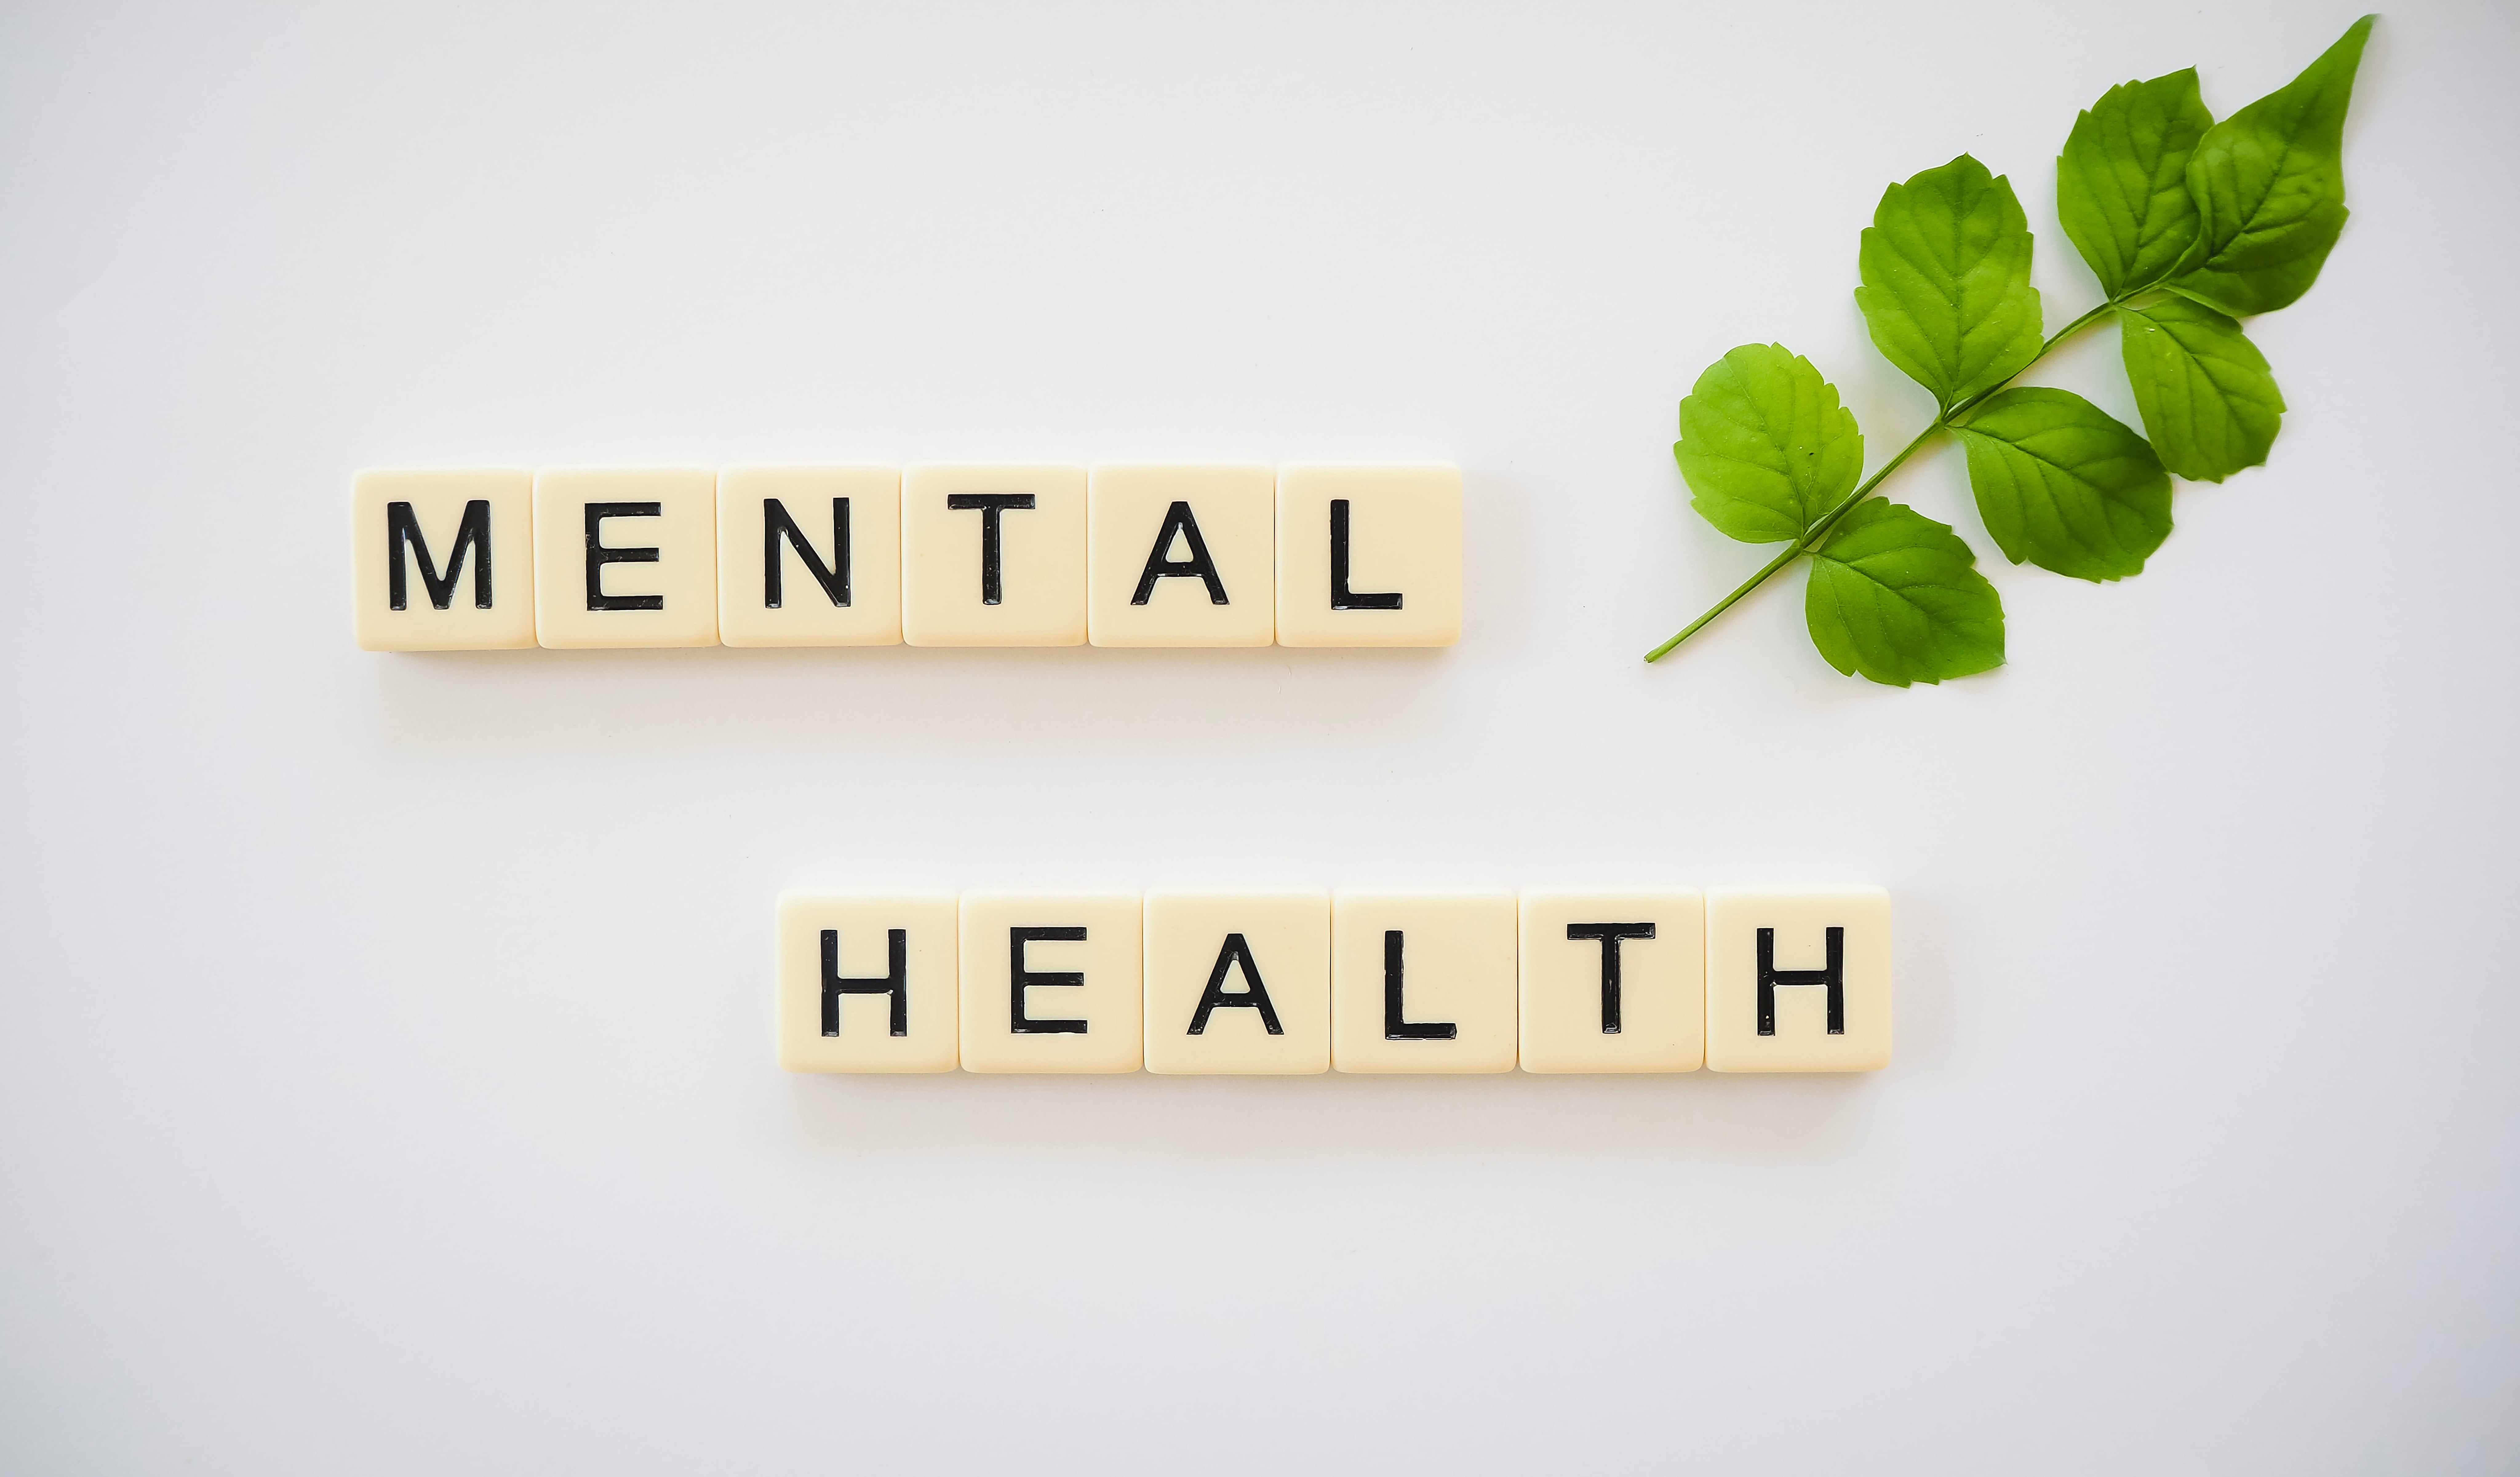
(1019, 980)
(1235, 951)
(1178, 521)
(776, 525)
(1834, 976)
(990, 504)
(895, 984)
(1341, 597)
(1395, 1025)
(1609, 934)
(474, 534)
(597, 557)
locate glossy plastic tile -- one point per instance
(1613, 981)
(443, 561)
(1180, 555)
(993, 556)
(1368, 556)
(1237, 982)
(809, 555)
(1052, 982)
(868, 983)
(626, 557)
(1797, 980)
(1423, 982)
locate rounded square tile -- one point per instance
(1613, 981)
(1237, 982)
(1368, 556)
(993, 556)
(1180, 555)
(868, 982)
(1423, 982)
(625, 557)
(1052, 982)
(442, 560)
(809, 555)
(1797, 979)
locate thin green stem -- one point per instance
(1752, 583)
(2054, 340)
(1819, 531)
(1819, 528)
(1811, 539)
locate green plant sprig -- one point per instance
(2188, 224)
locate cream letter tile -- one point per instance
(443, 561)
(1052, 982)
(1237, 981)
(1423, 982)
(1368, 556)
(867, 982)
(626, 557)
(1613, 981)
(993, 556)
(809, 555)
(1182, 555)
(1797, 980)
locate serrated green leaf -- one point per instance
(1947, 293)
(2208, 401)
(2270, 186)
(1895, 595)
(1765, 446)
(2122, 181)
(2064, 484)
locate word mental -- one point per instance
(1652, 980)
(1121, 556)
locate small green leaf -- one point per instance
(1947, 293)
(2065, 486)
(2270, 182)
(2122, 181)
(2208, 401)
(1893, 595)
(1765, 446)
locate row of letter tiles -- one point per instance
(1643, 980)
(981, 556)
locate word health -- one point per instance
(1120, 555)
(1547, 980)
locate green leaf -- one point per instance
(2208, 402)
(2065, 486)
(1765, 446)
(1893, 595)
(1947, 293)
(2122, 181)
(2270, 182)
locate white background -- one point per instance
(385, 1077)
